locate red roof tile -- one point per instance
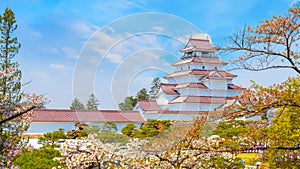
(148, 105)
(52, 115)
(191, 85)
(232, 86)
(200, 99)
(215, 78)
(199, 72)
(169, 89)
(181, 73)
(199, 45)
(181, 112)
(227, 74)
(200, 60)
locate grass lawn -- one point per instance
(249, 158)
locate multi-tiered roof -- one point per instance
(199, 83)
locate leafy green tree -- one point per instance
(142, 94)
(128, 104)
(130, 101)
(155, 85)
(37, 159)
(109, 126)
(92, 103)
(230, 129)
(284, 139)
(14, 119)
(77, 105)
(49, 139)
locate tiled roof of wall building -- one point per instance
(55, 115)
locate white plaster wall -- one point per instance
(40, 128)
(164, 99)
(193, 106)
(218, 84)
(45, 127)
(171, 116)
(207, 92)
(185, 79)
(199, 66)
(191, 92)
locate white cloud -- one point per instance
(83, 29)
(158, 28)
(53, 50)
(114, 58)
(36, 34)
(59, 67)
(69, 52)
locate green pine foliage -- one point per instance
(142, 94)
(50, 139)
(10, 89)
(129, 130)
(92, 103)
(154, 88)
(106, 136)
(77, 105)
(128, 104)
(109, 126)
(39, 159)
(150, 128)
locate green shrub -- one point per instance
(49, 139)
(112, 137)
(88, 130)
(110, 126)
(38, 159)
(149, 129)
(129, 130)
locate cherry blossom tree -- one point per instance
(181, 148)
(258, 100)
(272, 44)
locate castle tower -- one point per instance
(199, 83)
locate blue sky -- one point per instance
(113, 48)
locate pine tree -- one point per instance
(128, 104)
(14, 104)
(77, 105)
(92, 103)
(155, 85)
(142, 94)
